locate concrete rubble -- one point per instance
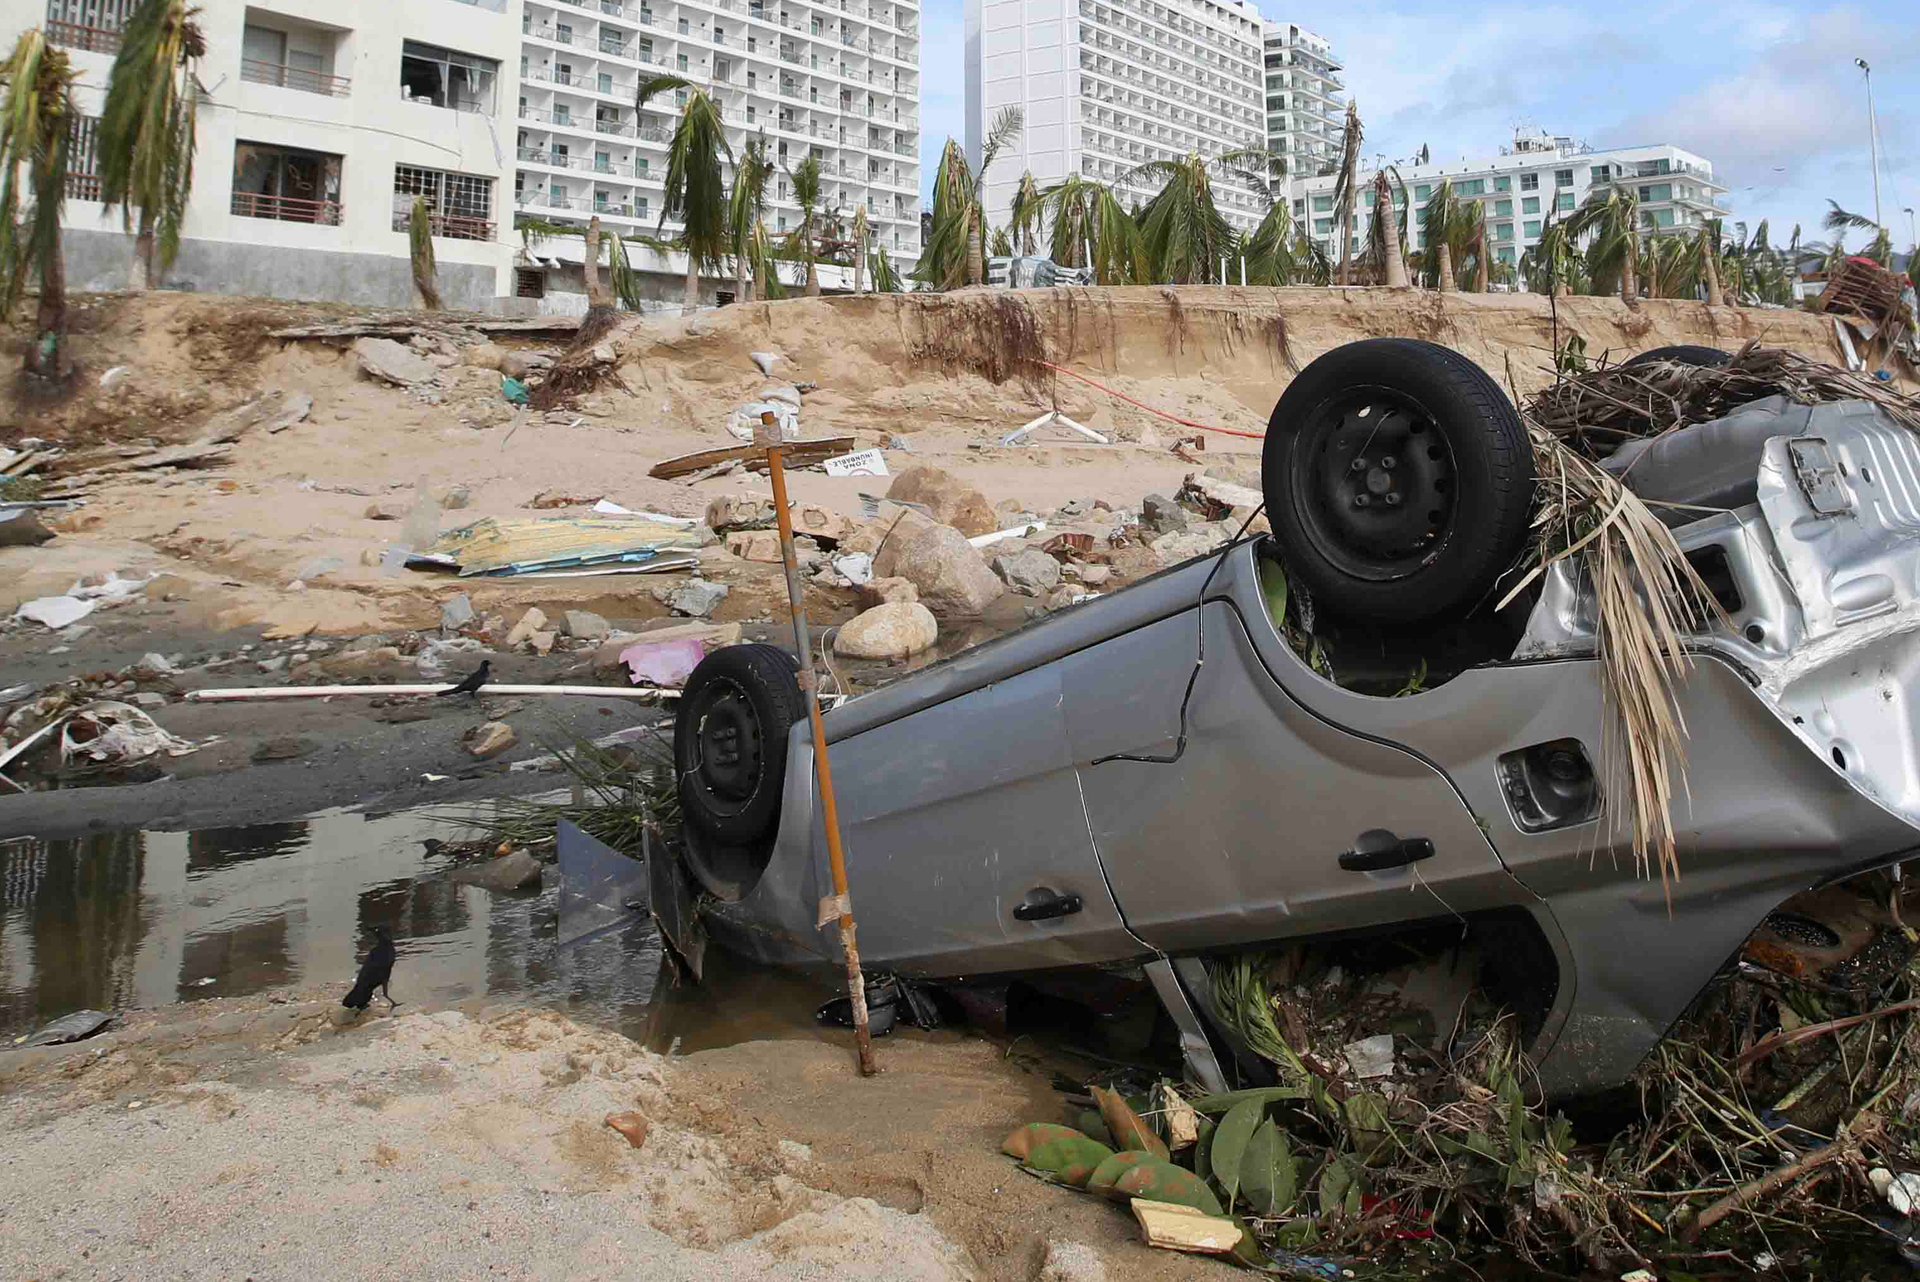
(888, 632)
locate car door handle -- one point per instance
(1377, 848)
(1042, 904)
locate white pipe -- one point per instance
(1223, 269)
(1243, 271)
(322, 692)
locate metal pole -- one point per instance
(841, 904)
(1243, 271)
(1223, 269)
(1873, 138)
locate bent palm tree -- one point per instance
(1386, 248)
(1880, 249)
(420, 252)
(1611, 215)
(886, 280)
(746, 211)
(1090, 228)
(862, 229)
(806, 194)
(1706, 252)
(1182, 227)
(1454, 233)
(696, 191)
(1019, 222)
(956, 251)
(35, 139)
(1280, 253)
(147, 130)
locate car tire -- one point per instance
(730, 741)
(1399, 481)
(1684, 354)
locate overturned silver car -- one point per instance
(1159, 777)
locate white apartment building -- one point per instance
(1306, 112)
(321, 120)
(1107, 85)
(1537, 179)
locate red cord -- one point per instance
(1172, 418)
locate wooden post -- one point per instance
(841, 904)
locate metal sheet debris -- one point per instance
(859, 463)
(502, 547)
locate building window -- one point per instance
(1530, 228)
(443, 78)
(1503, 231)
(286, 184)
(1564, 202)
(1563, 177)
(640, 167)
(93, 25)
(1529, 182)
(1477, 187)
(1530, 205)
(1658, 192)
(684, 28)
(290, 60)
(1299, 209)
(529, 282)
(680, 63)
(1504, 256)
(83, 158)
(1503, 209)
(1322, 226)
(562, 33)
(1600, 174)
(1422, 192)
(1321, 204)
(461, 205)
(1503, 183)
(606, 82)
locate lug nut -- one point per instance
(1359, 465)
(1388, 462)
(1393, 500)
(1360, 500)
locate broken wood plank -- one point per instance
(439, 687)
(402, 329)
(1173, 1227)
(794, 453)
(25, 463)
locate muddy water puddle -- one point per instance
(148, 919)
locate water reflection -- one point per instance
(146, 919)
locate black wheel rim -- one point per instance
(1374, 483)
(729, 744)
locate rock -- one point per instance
(764, 360)
(387, 511)
(1180, 546)
(1245, 477)
(1062, 597)
(455, 498)
(755, 545)
(285, 748)
(1162, 515)
(586, 626)
(696, 597)
(484, 355)
(712, 635)
(603, 354)
(817, 522)
(1073, 508)
(631, 1125)
(1013, 509)
(894, 591)
(531, 622)
(950, 573)
(520, 364)
(516, 870)
(1133, 562)
(1094, 575)
(389, 362)
(371, 557)
(888, 632)
(948, 499)
(272, 665)
(147, 699)
(489, 738)
(456, 613)
(1029, 573)
(319, 567)
(543, 642)
(740, 512)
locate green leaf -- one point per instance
(1164, 1182)
(1095, 1127)
(1126, 1126)
(1230, 1143)
(1340, 1187)
(1227, 1100)
(1203, 1148)
(1268, 1175)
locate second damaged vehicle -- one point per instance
(1158, 777)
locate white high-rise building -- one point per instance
(1107, 85)
(1306, 113)
(1539, 178)
(320, 121)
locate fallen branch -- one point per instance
(439, 687)
(1777, 1178)
(1768, 1045)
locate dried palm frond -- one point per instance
(1598, 409)
(1646, 596)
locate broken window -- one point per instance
(442, 78)
(286, 184)
(460, 205)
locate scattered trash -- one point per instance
(430, 777)
(68, 1028)
(489, 739)
(859, 463)
(1370, 1056)
(1011, 532)
(765, 361)
(795, 453)
(745, 417)
(549, 499)
(1181, 1228)
(663, 663)
(113, 733)
(856, 567)
(515, 391)
(20, 526)
(695, 598)
(202, 983)
(114, 377)
(55, 611)
(1902, 1192)
(632, 1125)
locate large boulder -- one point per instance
(952, 576)
(887, 632)
(389, 362)
(950, 500)
(1030, 573)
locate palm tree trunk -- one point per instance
(1445, 255)
(692, 297)
(1714, 296)
(1383, 217)
(806, 243)
(1480, 252)
(742, 283)
(859, 265)
(977, 253)
(1629, 284)
(144, 249)
(598, 295)
(49, 343)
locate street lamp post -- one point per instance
(1873, 137)
(1913, 237)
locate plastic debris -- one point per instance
(55, 611)
(68, 1028)
(746, 416)
(856, 568)
(663, 663)
(113, 733)
(764, 360)
(1370, 1056)
(515, 391)
(1902, 1191)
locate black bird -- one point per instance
(375, 971)
(472, 684)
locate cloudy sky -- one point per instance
(1767, 92)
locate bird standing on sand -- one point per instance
(472, 684)
(375, 971)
